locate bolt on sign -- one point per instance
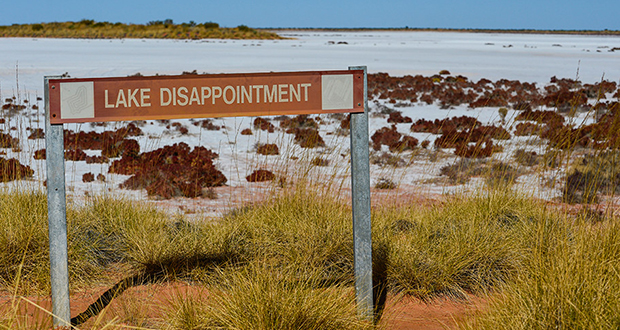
(201, 96)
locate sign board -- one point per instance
(201, 96)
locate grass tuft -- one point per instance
(261, 297)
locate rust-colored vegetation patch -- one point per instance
(12, 169)
(171, 171)
(268, 149)
(261, 176)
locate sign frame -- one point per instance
(55, 166)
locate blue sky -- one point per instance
(500, 14)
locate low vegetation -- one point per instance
(289, 261)
(167, 29)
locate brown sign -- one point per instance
(200, 96)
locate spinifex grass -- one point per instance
(262, 297)
(571, 281)
(297, 228)
(24, 257)
(466, 244)
(152, 243)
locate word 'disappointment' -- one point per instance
(205, 95)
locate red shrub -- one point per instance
(88, 177)
(7, 141)
(388, 136)
(300, 121)
(170, 171)
(97, 160)
(527, 129)
(208, 125)
(475, 151)
(36, 133)
(264, 125)
(39, 154)
(268, 149)
(308, 138)
(75, 155)
(12, 169)
(546, 117)
(260, 176)
(396, 117)
(407, 143)
(346, 122)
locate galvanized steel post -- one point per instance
(57, 217)
(360, 181)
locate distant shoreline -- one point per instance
(504, 31)
(89, 29)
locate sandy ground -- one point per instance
(145, 305)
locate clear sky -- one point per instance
(494, 14)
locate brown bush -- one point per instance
(384, 183)
(246, 131)
(475, 151)
(263, 125)
(346, 122)
(170, 171)
(540, 116)
(300, 121)
(36, 133)
(396, 117)
(97, 160)
(12, 169)
(388, 136)
(526, 158)
(268, 149)
(7, 141)
(461, 171)
(88, 177)
(260, 176)
(111, 143)
(75, 155)
(318, 161)
(527, 129)
(308, 138)
(208, 125)
(39, 154)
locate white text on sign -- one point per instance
(205, 95)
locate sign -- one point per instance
(200, 96)
(196, 96)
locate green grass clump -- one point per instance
(150, 242)
(590, 175)
(90, 29)
(260, 297)
(297, 228)
(468, 244)
(24, 258)
(570, 282)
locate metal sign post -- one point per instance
(204, 96)
(57, 216)
(360, 194)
